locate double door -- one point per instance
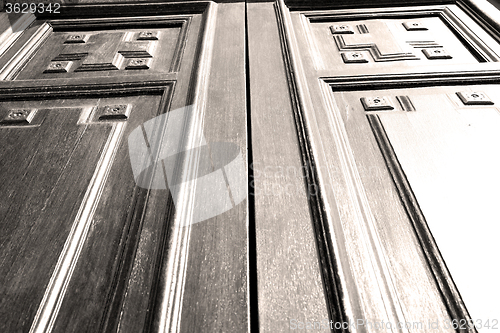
(231, 166)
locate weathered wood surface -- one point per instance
(105, 253)
(289, 283)
(331, 217)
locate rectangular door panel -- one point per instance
(356, 74)
(70, 196)
(455, 131)
(450, 198)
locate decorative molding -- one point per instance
(139, 63)
(167, 296)
(388, 81)
(58, 67)
(436, 53)
(105, 61)
(26, 52)
(376, 103)
(10, 70)
(361, 221)
(354, 57)
(18, 90)
(363, 29)
(423, 44)
(406, 103)
(77, 39)
(332, 275)
(113, 112)
(49, 307)
(160, 20)
(377, 55)
(384, 103)
(55, 292)
(148, 35)
(342, 29)
(414, 26)
(91, 9)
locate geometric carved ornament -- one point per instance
(381, 45)
(136, 54)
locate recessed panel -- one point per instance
(68, 54)
(66, 184)
(394, 40)
(447, 142)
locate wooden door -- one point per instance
(249, 166)
(396, 113)
(100, 104)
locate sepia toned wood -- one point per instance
(459, 138)
(216, 292)
(357, 182)
(343, 132)
(111, 274)
(390, 47)
(38, 207)
(106, 51)
(11, 27)
(289, 287)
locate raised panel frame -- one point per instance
(323, 129)
(192, 83)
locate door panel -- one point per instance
(353, 42)
(456, 187)
(99, 103)
(70, 53)
(344, 62)
(64, 219)
(248, 166)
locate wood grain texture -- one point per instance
(449, 293)
(399, 50)
(289, 275)
(216, 291)
(38, 207)
(327, 233)
(354, 181)
(112, 239)
(108, 51)
(115, 283)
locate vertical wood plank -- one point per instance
(215, 295)
(289, 286)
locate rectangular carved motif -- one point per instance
(393, 40)
(113, 51)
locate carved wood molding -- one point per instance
(64, 61)
(166, 295)
(332, 275)
(326, 146)
(387, 81)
